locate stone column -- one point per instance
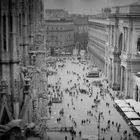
(113, 74)
(121, 86)
(127, 83)
(15, 66)
(110, 73)
(118, 75)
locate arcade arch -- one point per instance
(138, 44)
(136, 93)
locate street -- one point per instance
(85, 112)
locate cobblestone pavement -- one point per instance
(77, 106)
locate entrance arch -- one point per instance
(136, 93)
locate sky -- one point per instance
(84, 6)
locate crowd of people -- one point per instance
(74, 90)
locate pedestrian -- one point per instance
(80, 133)
(118, 129)
(65, 137)
(116, 124)
(82, 122)
(112, 122)
(102, 130)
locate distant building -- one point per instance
(114, 42)
(55, 14)
(81, 31)
(59, 33)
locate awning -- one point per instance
(122, 104)
(119, 101)
(134, 104)
(138, 128)
(127, 109)
(132, 115)
(135, 122)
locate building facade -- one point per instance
(19, 21)
(97, 40)
(124, 49)
(59, 33)
(81, 32)
(120, 52)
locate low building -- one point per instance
(55, 14)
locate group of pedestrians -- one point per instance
(99, 96)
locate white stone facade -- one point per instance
(121, 48)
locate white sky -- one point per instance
(84, 6)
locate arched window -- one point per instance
(138, 45)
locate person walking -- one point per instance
(66, 137)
